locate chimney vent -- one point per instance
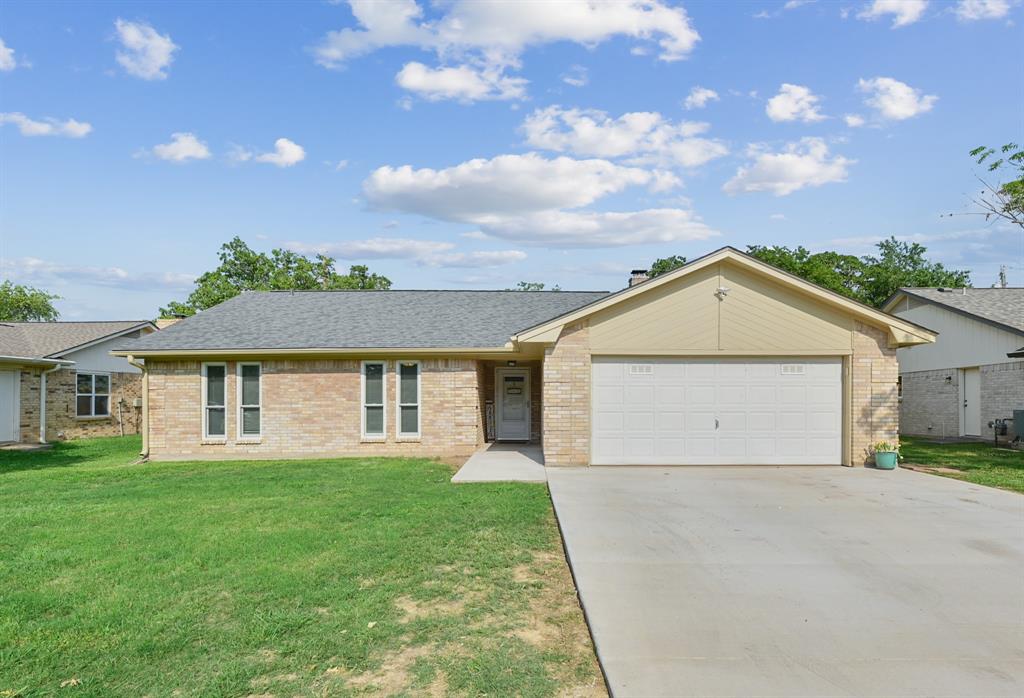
(637, 276)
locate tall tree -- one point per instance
(842, 273)
(26, 304)
(1002, 200)
(665, 264)
(533, 286)
(903, 264)
(244, 269)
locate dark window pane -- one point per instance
(215, 385)
(374, 384)
(215, 422)
(375, 420)
(84, 406)
(103, 385)
(250, 385)
(409, 376)
(250, 421)
(102, 406)
(84, 383)
(410, 420)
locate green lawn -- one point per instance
(979, 463)
(288, 578)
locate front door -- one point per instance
(513, 401)
(8, 405)
(971, 422)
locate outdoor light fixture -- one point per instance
(510, 364)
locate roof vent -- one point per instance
(637, 276)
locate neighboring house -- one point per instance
(974, 373)
(87, 391)
(724, 360)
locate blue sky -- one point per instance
(473, 145)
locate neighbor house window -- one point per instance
(214, 400)
(408, 398)
(92, 394)
(248, 401)
(373, 399)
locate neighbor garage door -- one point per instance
(730, 412)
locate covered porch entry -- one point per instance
(511, 396)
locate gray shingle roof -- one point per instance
(364, 319)
(52, 339)
(1001, 306)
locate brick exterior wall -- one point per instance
(875, 410)
(566, 390)
(62, 422)
(312, 408)
(930, 405)
(1002, 391)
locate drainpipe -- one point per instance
(145, 405)
(42, 401)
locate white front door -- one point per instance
(717, 411)
(971, 420)
(8, 406)
(513, 404)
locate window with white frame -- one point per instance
(214, 400)
(373, 399)
(92, 394)
(408, 397)
(249, 399)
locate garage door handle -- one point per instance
(716, 422)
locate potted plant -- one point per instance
(886, 454)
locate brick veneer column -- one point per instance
(566, 400)
(875, 414)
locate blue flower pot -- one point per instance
(885, 460)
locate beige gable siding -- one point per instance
(757, 316)
(760, 313)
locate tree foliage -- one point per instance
(1004, 200)
(244, 269)
(533, 286)
(26, 304)
(665, 264)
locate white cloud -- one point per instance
(7, 61)
(429, 253)
(647, 137)
(903, 12)
(528, 198)
(47, 127)
(462, 83)
(854, 120)
(778, 216)
(286, 153)
(491, 36)
(805, 163)
(894, 100)
(340, 165)
(973, 10)
(794, 103)
(33, 269)
(576, 76)
(183, 147)
(699, 97)
(147, 54)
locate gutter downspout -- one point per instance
(42, 401)
(145, 404)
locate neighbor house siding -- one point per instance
(62, 421)
(312, 408)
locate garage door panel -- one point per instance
(664, 411)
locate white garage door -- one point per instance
(706, 412)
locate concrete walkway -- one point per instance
(504, 462)
(800, 581)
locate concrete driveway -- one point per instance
(809, 581)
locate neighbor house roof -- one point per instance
(1003, 307)
(319, 320)
(50, 340)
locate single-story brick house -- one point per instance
(725, 360)
(974, 373)
(59, 381)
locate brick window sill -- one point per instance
(408, 439)
(214, 442)
(93, 418)
(372, 440)
(248, 442)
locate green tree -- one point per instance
(842, 273)
(26, 304)
(901, 264)
(1004, 200)
(244, 269)
(532, 286)
(665, 264)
